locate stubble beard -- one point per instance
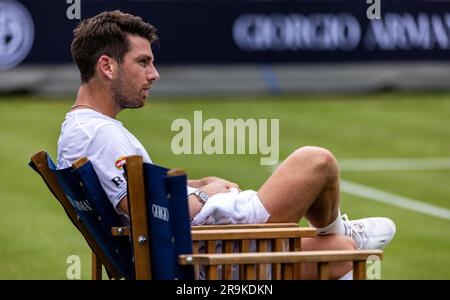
(123, 98)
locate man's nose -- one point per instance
(153, 74)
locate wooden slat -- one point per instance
(250, 272)
(39, 160)
(296, 245)
(244, 226)
(228, 246)
(244, 247)
(195, 247)
(211, 272)
(211, 247)
(261, 269)
(281, 257)
(359, 270)
(138, 216)
(253, 233)
(96, 267)
(227, 270)
(287, 271)
(277, 246)
(323, 270)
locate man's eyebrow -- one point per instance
(144, 56)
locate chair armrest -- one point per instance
(244, 226)
(278, 257)
(251, 264)
(237, 234)
(253, 233)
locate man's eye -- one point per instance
(143, 62)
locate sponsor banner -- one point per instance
(241, 31)
(16, 33)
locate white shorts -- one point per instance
(234, 207)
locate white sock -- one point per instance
(336, 227)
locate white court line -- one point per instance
(396, 200)
(389, 164)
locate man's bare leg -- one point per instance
(305, 184)
(327, 242)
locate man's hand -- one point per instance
(214, 187)
(218, 186)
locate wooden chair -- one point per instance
(79, 192)
(157, 242)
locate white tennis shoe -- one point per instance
(370, 233)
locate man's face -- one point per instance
(135, 76)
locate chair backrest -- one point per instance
(162, 194)
(80, 193)
(158, 236)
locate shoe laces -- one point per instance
(355, 230)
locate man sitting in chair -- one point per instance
(113, 53)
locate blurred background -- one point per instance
(368, 81)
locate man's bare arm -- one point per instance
(123, 205)
(195, 183)
(214, 186)
(194, 205)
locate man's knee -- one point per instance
(319, 158)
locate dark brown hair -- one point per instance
(105, 34)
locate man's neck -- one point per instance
(98, 99)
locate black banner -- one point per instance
(242, 31)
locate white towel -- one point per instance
(233, 207)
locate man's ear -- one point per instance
(106, 66)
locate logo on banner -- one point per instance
(16, 34)
(292, 32)
(321, 32)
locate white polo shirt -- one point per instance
(105, 142)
